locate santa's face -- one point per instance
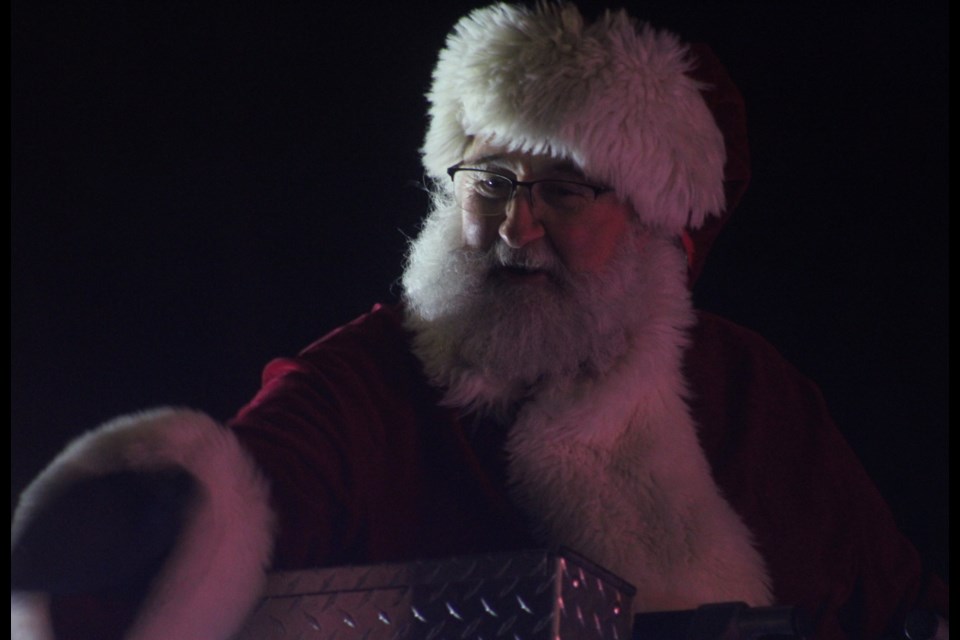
(584, 242)
(503, 303)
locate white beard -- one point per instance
(603, 454)
(492, 341)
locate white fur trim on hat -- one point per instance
(613, 96)
(215, 573)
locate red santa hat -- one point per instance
(656, 119)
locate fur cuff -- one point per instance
(215, 573)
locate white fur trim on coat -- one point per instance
(613, 96)
(613, 469)
(215, 573)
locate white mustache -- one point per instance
(537, 258)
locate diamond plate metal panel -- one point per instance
(532, 595)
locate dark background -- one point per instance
(200, 187)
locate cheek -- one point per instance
(590, 247)
(479, 233)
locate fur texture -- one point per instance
(603, 457)
(614, 96)
(216, 571)
(612, 467)
(489, 343)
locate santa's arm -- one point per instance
(143, 527)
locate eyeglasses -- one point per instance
(486, 193)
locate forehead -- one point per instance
(521, 163)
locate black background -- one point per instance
(200, 187)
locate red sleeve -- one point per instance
(364, 464)
(830, 539)
(327, 427)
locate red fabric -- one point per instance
(366, 468)
(729, 112)
(829, 537)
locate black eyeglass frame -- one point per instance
(514, 183)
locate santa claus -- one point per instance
(544, 381)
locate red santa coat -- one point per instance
(366, 467)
